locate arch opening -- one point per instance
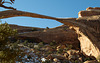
(32, 22)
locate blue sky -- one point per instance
(54, 8)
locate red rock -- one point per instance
(61, 35)
(89, 8)
(88, 13)
(96, 8)
(89, 34)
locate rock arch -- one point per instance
(88, 29)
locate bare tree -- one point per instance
(2, 4)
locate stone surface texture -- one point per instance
(89, 12)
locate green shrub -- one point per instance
(47, 27)
(60, 51)
(47, 61)
(40, 44)
(53, 43)
(7, 55)
(25, 43)
(31, 45)
(5, 33)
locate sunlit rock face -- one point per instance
(95, 8)
(87, 26)
(89, 12)
(90, 34)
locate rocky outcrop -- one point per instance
(89, 12)
(88, 34)
(60, 35)
(91, 8)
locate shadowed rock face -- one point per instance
(60, 35)
(87, 28)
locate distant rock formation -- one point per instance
(89, 12)
(60, 35)
(25, 29)
(91, 8)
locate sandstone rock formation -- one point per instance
(60, 35)
(87, 28)
(88, 34)
(95, 8)
(15, 13)
(89, 12)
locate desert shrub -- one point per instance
(31, 45)
(5, 33)
(34, 29)
(25, 42)
(60, 50)
(40, 44)
(47, 27)
(47, 61)
(53, 43)
(7, 54)
(69, 46)
(18, 41)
